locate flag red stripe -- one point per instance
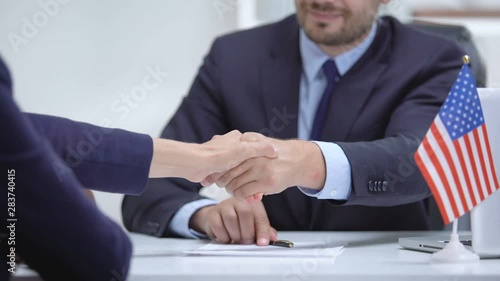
(473, 164)
(432, 186)
(481, 160)
(447, 155)
(442, 176)
(490, 157)
(466, 174)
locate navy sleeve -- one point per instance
(59, 232)
(110, 160)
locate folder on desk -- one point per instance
(320, 249)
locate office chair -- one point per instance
(462, 36)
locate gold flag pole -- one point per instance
(466, 59)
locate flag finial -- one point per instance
(466, 59)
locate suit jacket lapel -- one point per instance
(353, 91)
(280, 76)
(348, 100)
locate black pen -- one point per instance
(281, 243)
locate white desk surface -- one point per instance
(369, 256)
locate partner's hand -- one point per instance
(195, 162)
(299, 163)
(225, 152)
(234, 221)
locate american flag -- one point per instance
(455, 156)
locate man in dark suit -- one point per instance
(364, 88)
(46, 163)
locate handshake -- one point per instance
(248, 165)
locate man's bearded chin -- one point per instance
(345, 36)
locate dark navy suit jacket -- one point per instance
(60, 232)
(380, 110)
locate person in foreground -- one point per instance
(57, 230)
(346, 96)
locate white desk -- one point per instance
(369, 256)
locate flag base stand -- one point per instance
(454, 251)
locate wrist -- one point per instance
(198, 219)
(312, 166)
(174, 159)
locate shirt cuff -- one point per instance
(180, 222)
(338, 174)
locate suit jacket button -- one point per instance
(379, 186)
(371, 185)
(385, 185)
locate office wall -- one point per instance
(86, 59)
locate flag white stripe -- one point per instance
(486, 156)
(454, 157)
(469, 171)
(437, 182)
(447, 173)
(477, 160)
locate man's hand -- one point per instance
(299, 163)
(234, 221)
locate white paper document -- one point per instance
(301, 249)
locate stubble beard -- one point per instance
(352, 31)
